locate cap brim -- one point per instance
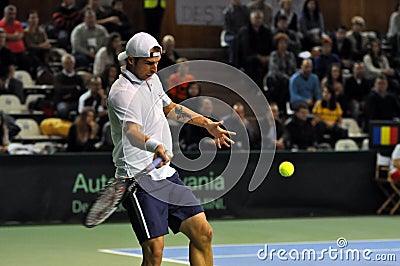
(122, 56)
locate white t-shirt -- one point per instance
(141, 102)
(395, 155)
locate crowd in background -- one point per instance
(312, 77)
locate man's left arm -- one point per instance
(183, 114)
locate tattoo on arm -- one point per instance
(181, 115)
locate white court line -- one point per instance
(140, 256)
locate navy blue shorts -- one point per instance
(150, 217)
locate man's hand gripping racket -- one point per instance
(112, 194)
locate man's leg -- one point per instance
(152, 250)
(199, 231)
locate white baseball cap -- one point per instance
(139, 46)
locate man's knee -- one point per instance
(153, 251)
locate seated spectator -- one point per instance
(286, 10)
(273, 130)
(237, 122)
(236, 16)
(191, 136)
(169, 54)
(328, 117)
(254, 46)
(117, 21)
(282, 65)
(82, 135)
(68, 85)
(95, 98)
(394, 22)
(36, 41)
(300, 132)
(326, 58)
(107, 55)
(342, 46)
(64, 19)
(8, 84)
(282, 26)
(311, 24)
(358, 40)
(109, 75)
(102, 12)
(193, 100)
(381, 104)
(15, 40)
(356, 89)
(376, 64)
(304, 85)
(334, 79)
(87, 38)
(265, 8)
(394, 172)
(4, 140)
(178, 82)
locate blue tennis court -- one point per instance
(339, 252)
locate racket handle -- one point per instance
(158, 160)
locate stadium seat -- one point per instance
(388, 187)
(354, 130)
(32, 98)
(346, 145)
(10, 103)
(24, 77)
(29, 128)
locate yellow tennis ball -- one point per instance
(286, 169)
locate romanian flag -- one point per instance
(385, 135)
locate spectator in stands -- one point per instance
(334, 79)
(265, 8)
(341, 46)
(68, 85)
(237, 122)
(381, 104)
(236, 16)
(123, 26)
(191, 136)
(328, 117)
(254, 47)
(107, 55)
(64, 19)
(286, 10)
(8, 84)
(109, 75)
(300, 132)
(326, 58)
(358, 40)
(169, 54)
(280, 131)
(15, 40)
(282, 65)
(154, 13)
(394, 22)
(304, 86)
(102, 12)
(82, 134)
(4, 140)
(376, 64)
(94, 97)
(87, 38)
(356, 89)
(178, 82)
(311, 24)
(36, 41)
(193, 95)
(282, 26)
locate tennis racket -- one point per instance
(113, 193)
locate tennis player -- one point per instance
(138, 107)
